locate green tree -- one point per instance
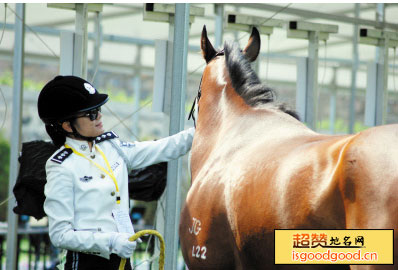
(4, 174)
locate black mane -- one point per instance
(246, 82)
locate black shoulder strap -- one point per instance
(61, 155)
(106, 136)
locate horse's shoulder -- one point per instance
(371, 146)
(379, 139)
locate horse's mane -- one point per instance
(246, 82)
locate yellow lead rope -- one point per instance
(109, 172)
(162, 247)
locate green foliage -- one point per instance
(4, 174)
(7, 79)
(358, 126)
(341, 126)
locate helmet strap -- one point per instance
(78, 135)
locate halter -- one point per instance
(196, 100)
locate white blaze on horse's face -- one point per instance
(220, 72)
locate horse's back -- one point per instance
(243, 193)
(371, 178)
(370, 185)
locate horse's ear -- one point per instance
(208, 50)
(253, 46)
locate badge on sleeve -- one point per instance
(127, 144)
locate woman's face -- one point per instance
(89, 128)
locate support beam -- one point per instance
(173, 191)
(164, 12)
(81, 29)
(307, 84)
(81, 20)
(71, 54)
(302, 30)
(244, 22)
(72, 6)
(377, 92)
(307, 68)
(160, 70)
(325, 16)
(137, 91)
(333, 102)
(97, 48)
(354, 71)
(312, 80)
(107, 16)
(219, 30)
(18, 73)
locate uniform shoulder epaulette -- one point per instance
(106, 136)
(61, 155)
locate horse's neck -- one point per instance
(225, 117)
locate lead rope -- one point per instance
(162, 247)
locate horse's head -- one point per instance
(229, 71)
(251, 50)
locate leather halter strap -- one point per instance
(196, 100)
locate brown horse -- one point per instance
(256, 168)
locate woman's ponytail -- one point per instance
(56, 134)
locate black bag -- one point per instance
(146, 184)
(29, 188)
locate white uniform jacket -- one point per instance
(80, 197)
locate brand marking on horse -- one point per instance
(199, 252)
(196, 226)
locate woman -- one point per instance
(87, 178)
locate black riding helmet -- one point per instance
(67, 96)
(64, 98)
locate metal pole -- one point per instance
(137, 90)
(169, 67)
(301, 87)
(376, 92)
(97, 48)
(81, 28)
(382, 72)
(177, 111)
(354, 71)
(236, 33)
(312, 80)
(219, 10)
(168, 47)
(137, 98)
(333, 102)
(18, 65)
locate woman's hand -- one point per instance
(121, 245)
